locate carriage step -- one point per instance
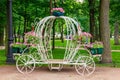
(55, 67)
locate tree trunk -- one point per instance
(61, 32)
(14, 33)
(92, 19)
(18, 32)
(50, 7)
(25, 21)
(116, 33)
(99, 22)
(36, 12)
(53, 42)
(97, 37)
(105, 30)
(25, 25)
(62, 37)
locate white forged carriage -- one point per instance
(42, 52)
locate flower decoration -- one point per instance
(84, 37)
(86, 34)
(57, 10)
(97, 48)
(18, 44)
(89, 45)
(31, 38)
(97, 44)
(18, 47)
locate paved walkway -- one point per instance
(115, 50)
(2, 47)
(67, 73)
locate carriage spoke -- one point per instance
(83, 72)
(88, 61)
(29, 67)
(22, 68)
(88, 66)
(80, 67)
(87, 70)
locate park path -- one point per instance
(2, 47)
(8, 72)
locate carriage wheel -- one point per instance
(85, 65)
(25, 64)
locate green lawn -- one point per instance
(114, 47)
(59, 53)
(116, 59)
(58, 43)
(2, 57)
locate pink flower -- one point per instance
(86, 34)
(57, 9)
(17, 43)
(32, 33)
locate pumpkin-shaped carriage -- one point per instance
(42, 53)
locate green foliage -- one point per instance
(30, 9)
(2, 13)
(114, 9)
(3, 20)
(114, 14)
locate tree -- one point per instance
(105, 30)
(116, 33)
(115, 19)
(2, 21)
(92, 18)
(50, 7)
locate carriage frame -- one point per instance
(42, 51)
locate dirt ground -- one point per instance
(67, 73)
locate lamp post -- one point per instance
(10, 33)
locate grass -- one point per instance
(114, 47)
(2, 57)
(59, 53)
(115, 61)
(59, 43)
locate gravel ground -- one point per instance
(68, 73)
